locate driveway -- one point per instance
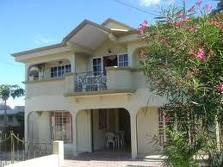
(102, 159)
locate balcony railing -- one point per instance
(90, 81)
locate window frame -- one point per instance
(124, 61)
(101, 65)
(56, 73)
(55, 124)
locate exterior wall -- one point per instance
(44, 127)
(50, 58)
(148, 130)
(98, 134)
(49, 96)
(103, 51)
(45, 88)
(33, 127)
(83, 131)
(81, 63)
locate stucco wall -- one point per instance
(81, 62)
(83, 132)
(148, 130)
(44, 127)
(49, 96)
(42, 88)
(33, 127)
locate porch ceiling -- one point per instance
(88, 34)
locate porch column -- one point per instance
(73, 63)
(74, 131)
(26, 128)
(133, 135)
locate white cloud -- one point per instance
(147, 3)
(16, 102)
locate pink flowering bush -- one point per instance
(184, 62)
(142, 27)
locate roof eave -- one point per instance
(38, 49)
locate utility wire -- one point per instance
(136, 8)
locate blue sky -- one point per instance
(27, 24)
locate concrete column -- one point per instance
(69, 83)
(73, 63)
(133, 135)
(74, 128)
(58, 148)
(26, 124)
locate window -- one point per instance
(68, 68)
(97, 66)
(102, 119)
(123, 60)
(53, 72)
(10, 118)
(62, 126)
(59, 71)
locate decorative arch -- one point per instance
(43, 70)
(91, 130)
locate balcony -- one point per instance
(116, 80)
(90, 81)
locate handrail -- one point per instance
(90, 81)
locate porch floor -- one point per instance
(108, 159)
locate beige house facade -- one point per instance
(89, 86)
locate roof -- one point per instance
(63, 43)
(2, 107)
(117, 22)
(10, 111)
(38, 49)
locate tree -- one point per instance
(183, 61)
(219, 6)
(7, 91)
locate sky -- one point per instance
(27, 24)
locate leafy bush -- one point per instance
(183, 61)
(216, 159)
(180, 152)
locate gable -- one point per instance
(116, 25)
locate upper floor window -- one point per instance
(123, 60)
(97, 66)
(59, 71)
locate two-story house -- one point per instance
(90, 92)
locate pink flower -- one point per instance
(199, 2)
(220, 88)
(192, 29)
(143, 26)
(178, 23)
(208, 8)
(192, 9)
(180, 14)
(186, 19)
(201, 54)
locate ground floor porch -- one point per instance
(117, 131)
